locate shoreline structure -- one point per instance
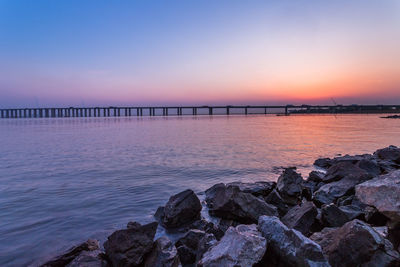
(111, 111)
(346, 213)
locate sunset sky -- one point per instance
(63, 53)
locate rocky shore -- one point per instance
(345, 214)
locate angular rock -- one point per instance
(356, 244)
(316, 176)
(329, 193)
(288, 247)
(187, 246)
(70, 255)
(275, 199)
(289, 186)
(383, 193)
(163, 254)
(309, 187)
(301, 217)
(344, 169)
(240, 246)
(228, 202)
(181, 209)
(256, 189)
(391, 153)
(205, 244)
(159, 215)
(207, 227)
(224, 224)
(370, 166)
(324, 163)
(128, 247)
(374, 217)
(88, 259)
(333, 216)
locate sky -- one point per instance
(95, 52)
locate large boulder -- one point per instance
(240, 246)
(330, 192)
(324, 163)
(229, 202)
(289, 186)
(334, 216)
(288, 247)
(344, 169)
(383, 193)
(187, 246)
(163, 254)
(128, 247)
(181, 209)
(356, 244)
(204, 245)
(391, 153)
(257, 189)
(74, 252)
(301, 217)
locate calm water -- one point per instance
(65, 180)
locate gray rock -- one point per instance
(163, 254)
(228, 202)
(240, 246)
(187, 246)
(70, 255)
(301, 217)
(324, 163)
(181, 209)
(316, 176)
(288, 247)
(289, 186)
(330, 192)
(88, 259)
(205, 244)
(128, 247)
(333, 216)
(374, 217)
(344, 169)
(257, 189)
(275, 199)
(356, 244)
(383, 193)
(391, 153)
(370, 166)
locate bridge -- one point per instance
(193, 110)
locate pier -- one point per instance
(193, 111)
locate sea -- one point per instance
(64, 180)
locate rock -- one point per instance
(383, 193)
(374, 217)
(70, 255)
(88, 259)
(356, 244)
(207, 227)
(370, 166)
(205, 244)
(316, 176)
(387, 166)
(133, 225)
(240, 246)
(330, 192)
(324, 163)
(301, 217)
(391, 153)
(228, 202)
(288, 247)
(289, 186)
(159, 215)
(344, 169)
(181, 209)
(333, 216)
(256, 189)
(225, 224)
(275, 199)
(163, 254)
(308, 189)
(128, 247)
(187, 246)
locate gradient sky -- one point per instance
(57, 53)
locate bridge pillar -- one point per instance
(2, 114)
(286, 111)
(265, 110)
(210, 111)
(245, 111)
(227, 111)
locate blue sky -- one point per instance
(155, 52)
